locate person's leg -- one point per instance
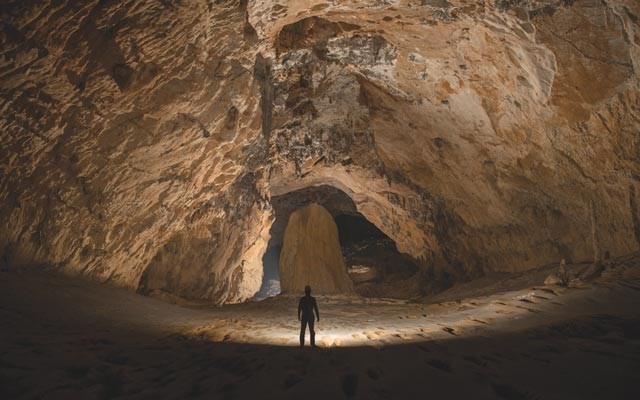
(303, 327)
(312, 333)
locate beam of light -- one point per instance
(381, 323)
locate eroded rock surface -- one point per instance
(142, 140)
(311, 254)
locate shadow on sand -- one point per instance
(51, 347)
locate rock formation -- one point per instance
(559, 277)
(311, 254)
(142, 140)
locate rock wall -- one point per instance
(142, 139)
(131, 133)
(311, 254)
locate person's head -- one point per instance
(307, 290)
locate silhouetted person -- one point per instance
(306, 308)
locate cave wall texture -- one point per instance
(142, 140)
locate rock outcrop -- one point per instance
(142, 140)
(311, 254)
(559, 277)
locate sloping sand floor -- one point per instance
(65, 338)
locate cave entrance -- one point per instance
(371, 258)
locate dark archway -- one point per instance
(373, 261)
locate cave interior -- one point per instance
(372, 259)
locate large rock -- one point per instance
(311, 254)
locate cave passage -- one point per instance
(373, 262)
(271, 275)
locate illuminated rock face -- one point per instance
(311, 254)
(142, 140)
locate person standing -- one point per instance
(306, 308)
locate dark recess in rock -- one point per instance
(123, 76)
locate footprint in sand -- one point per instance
(371, 335)
(440, 364)
(475, 361)
(405, 335)
(291, 380)
(532, 310)
(449, 330)
(374, 373)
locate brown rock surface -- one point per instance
(311, 254)
(142, 140)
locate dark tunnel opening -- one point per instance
(271, 275)
(372, 259)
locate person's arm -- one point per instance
(299, 308)
(315, 307)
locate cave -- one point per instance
(372, 260)
(374, 263)
(458, 182)
(270, 286)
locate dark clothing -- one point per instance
(303, 328)
(306, 308)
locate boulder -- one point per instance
(553, 279)
(560, 277)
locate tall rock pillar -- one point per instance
(311, 254)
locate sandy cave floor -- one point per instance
(499, 337)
